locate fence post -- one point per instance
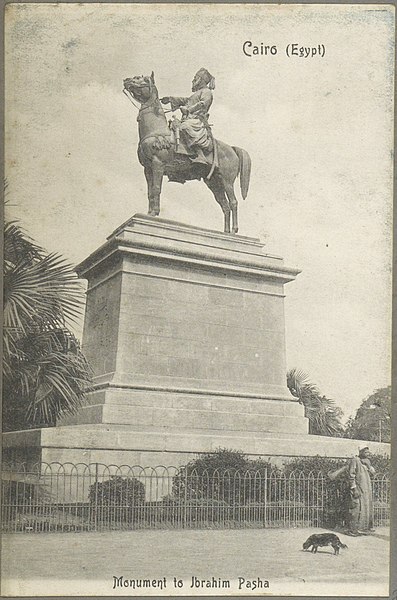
(265, 501)
(185, 502)
(96, 498)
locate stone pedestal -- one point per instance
(182, 309)
(184, 329)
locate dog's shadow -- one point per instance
(319, 552)
(380, 536)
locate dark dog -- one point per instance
(323, 539)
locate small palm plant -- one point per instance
(45, 373)
(324, 416)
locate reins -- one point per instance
(130, 98)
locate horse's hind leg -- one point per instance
(231, 196)
(216, 186)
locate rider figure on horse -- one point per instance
(194, 126)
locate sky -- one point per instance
(318, 130)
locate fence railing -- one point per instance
(95, 497)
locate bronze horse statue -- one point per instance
(157, 155)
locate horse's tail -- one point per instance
(244, 169)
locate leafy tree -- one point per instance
(324, 416)
(45, 373)
(372, 419)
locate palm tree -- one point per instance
(45, 373)
(324, 416)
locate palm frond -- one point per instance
(17, 244)
(45, 372)
(62, 380)
(52, 380)
(47, 293)
(299, 385)
(324, 417)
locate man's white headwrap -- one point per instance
(361, 450)
(207, 77)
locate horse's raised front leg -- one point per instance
(149, 180)
(157, 170)
(154, 178)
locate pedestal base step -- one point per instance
(122, 445)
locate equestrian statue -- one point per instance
(184, 149)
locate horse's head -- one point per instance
(141, 87)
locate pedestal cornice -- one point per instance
(144, 237)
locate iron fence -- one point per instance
(95, 497)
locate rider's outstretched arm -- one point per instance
(175, 101)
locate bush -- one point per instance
(323, 464)
(244, 485)
(226, 475)
(336, 496)
(316, 464)
(116, 499)
(381, 464)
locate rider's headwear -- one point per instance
(207, 77)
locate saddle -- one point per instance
(196, 154)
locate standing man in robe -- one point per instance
(360, 485)
(194, 126)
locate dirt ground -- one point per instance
(92, 563)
